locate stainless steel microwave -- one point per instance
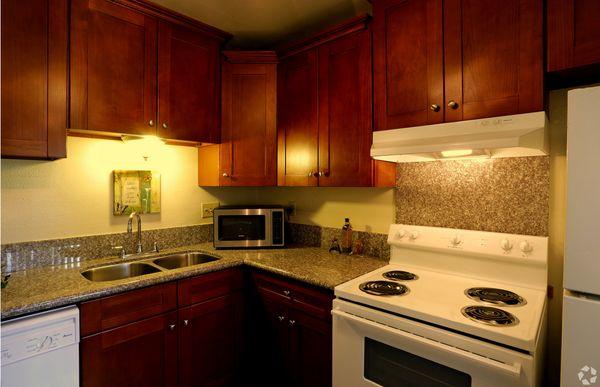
(248, 226)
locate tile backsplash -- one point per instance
(509, 195)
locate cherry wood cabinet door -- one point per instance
(248, 155)
(143, 353)
(573, 33)
(210, 342)
(34, 78)
(310, 348)
(493, 57)
(298, 131)
(188, 84)
(408, 63)
(345, 111)
(113, 68)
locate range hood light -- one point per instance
(457, 152)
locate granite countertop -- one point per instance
(45, 288)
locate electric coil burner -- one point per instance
(383, 288)
(495, 296)
(489, 315)
(400, 275)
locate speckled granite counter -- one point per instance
(45, 288)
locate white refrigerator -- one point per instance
(581, 301)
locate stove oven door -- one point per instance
(369, 353)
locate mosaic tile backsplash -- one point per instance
(509, 195)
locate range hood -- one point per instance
(507, 136)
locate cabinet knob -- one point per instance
(311, 174)
(435, 107)
(165, 125)
(186, 323)
(172, 327)
(280, 318)
(292, 322)
(286, 293)
(151, 123)
(225, 174)
(453, 105)
(324, 173)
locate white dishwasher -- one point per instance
(41, 349)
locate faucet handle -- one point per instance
(121, 250)
(156, 249)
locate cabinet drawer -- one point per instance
(110, 312)
(312, 301)
(207, 286)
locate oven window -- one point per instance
(241, 227)
(390, 367)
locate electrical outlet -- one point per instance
(207, 209)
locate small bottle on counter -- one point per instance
(347, 237)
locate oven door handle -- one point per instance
(513, 370)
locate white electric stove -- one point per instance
(452, 308)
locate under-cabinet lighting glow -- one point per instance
(457, 152)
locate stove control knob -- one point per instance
(414, 235)
(506, 245)
(400, 234)
(526, 247)
(457, 240)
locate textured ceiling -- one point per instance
(263, 23)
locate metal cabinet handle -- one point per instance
(311, 174)
(281, 318)
(164, 125)
(292, 322)
(453, 105)
(186, 323)
(151, 123)
(435, 107)
(324, 173)
(225, 174)
(172, 327)
(286, 293)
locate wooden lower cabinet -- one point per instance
(142, 353)
(293, 334)
(210, 342)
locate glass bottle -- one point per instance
(347, 237)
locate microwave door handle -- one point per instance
(513, 370)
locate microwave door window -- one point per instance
(241, 227)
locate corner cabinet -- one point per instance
(468, 59)
(325, 109)
(573, 35)
(247, 154)
(34, 78)
(117, 50)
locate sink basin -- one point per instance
(119, 271)
(175, 261)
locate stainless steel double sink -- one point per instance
(148, 266)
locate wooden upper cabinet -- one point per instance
(297, 112)
(188, 84)
(573, 34)
(345, 111)
(248, 154)
(34, 78)
(408, 63)
(438, 61)
(113, 68)
(493, 53)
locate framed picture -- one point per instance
(137, 191)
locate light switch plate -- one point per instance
(207, 209)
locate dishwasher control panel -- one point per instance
(32, 336)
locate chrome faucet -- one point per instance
(139, 229)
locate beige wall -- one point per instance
(73, 196)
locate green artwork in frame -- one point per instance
(137, 191)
